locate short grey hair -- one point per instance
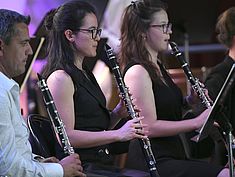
(8, 20)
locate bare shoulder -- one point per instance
(137, 72)
(60, 82)
(59, 76)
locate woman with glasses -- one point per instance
(74, 34)
(145, 32)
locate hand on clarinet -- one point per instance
(120, 111)
(72, 166)
(132, 129)
(194, 98)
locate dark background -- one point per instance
(197, 18)
(194, 22)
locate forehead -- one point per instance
(90, 20)
(21, 31)
(160, 17)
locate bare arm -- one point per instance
(140, 85)
(62, 90)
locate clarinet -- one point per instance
(197, 87)
(145, 143)
(56, 121)
(195, 83)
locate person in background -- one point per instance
(73, 35)
(111, 31)
(145, 33)
(111, 22)
(15, 150)
(215, 79)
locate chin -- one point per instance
(22, 72)
(164, 48)
(93, 54)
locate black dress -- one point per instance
(169, 151)
(91, 114)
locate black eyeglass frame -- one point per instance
(165, 27)
(94, 32)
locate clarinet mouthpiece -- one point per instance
(172, 44)
(174, 48)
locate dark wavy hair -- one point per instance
(68, 16)
(226, 27)
(136, 20)
(8, 20)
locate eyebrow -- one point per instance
(93, 27)
(25, 40)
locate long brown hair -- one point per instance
(68, 16)
(136, 20)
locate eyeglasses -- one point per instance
(166, 28)
(94, 32)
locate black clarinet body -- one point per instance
(56, 121)
(197, 87)
(195, 83)
(145, 143)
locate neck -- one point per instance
(153, 54)
(3, 70)
(78, 62)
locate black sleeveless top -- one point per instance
(91, 113)
(89, 102)
(168, 100)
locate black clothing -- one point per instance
(214, 83)
(213, 146)
(169, 151)
(91, 114)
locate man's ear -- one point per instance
(69, 35)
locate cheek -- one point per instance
(20, 55)
(154, 43)
(85, 48)
(157, 42)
